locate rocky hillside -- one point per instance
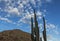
(14, 35)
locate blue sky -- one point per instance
(16, 14)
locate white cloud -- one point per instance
(13, 11)
(27, 17)
(52, 26)
(5, 19)
(12, 8)
(39, 13)
(20, 9)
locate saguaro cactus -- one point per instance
(44, 32)
(34, 30)
(36, 27)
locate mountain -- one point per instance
(15, 35)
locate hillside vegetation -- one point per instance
(14, 35)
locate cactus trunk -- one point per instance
(44, 32)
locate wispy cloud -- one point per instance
(5, 19)
(50, 28)
(23, 6)
(27, 17)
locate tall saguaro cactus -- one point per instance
(35, 30)
(36, 27)
(44, 32)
